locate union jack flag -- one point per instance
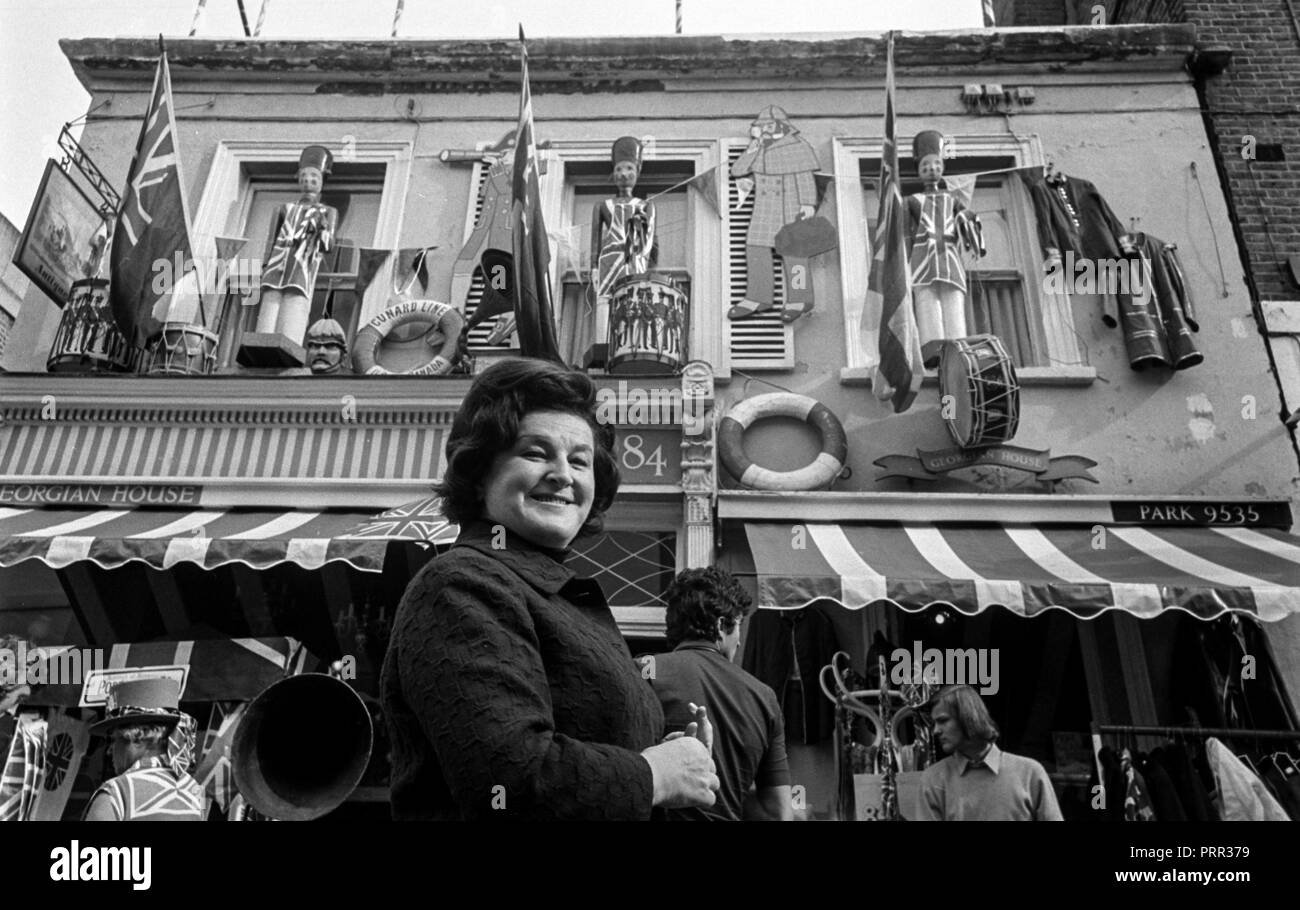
(24, 771)
(153, 224)
(534, 312)
(898, 373)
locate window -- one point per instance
(355, 191)
(249, 179)
(689, 234)
(1006, 297)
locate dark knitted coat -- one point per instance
(509, 692)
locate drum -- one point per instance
(981, 378)
(648, 324)
(87, 339)
(181, 349)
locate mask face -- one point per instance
(324, 356)
(931, 169)
(310, 181)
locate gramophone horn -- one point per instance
(301, 747)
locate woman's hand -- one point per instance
(683, 773)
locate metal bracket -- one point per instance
(111, 202)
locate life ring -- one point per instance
(446, 316)
(827, 466)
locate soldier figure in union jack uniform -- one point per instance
(300, 232)
(939, 226)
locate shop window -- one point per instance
(689, 232)
(634, 570)
(1006, 294)
(248, 179)
(761, 341)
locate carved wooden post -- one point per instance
(699, 462)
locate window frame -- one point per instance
(706, 248)
(1054, 311)
(227, 195)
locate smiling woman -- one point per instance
(508, 689)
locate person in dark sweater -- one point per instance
(705, 610)
(508, 690)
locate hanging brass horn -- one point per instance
(301, 747)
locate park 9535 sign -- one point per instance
(650, 454)
(1242, 514)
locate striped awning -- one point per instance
(214, 537)
(1029, 568)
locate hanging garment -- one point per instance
(1285, 785)
(787, 649)
(1164, 797)
(1157, 317)
(1073, 217)
(1242, 794)
(1137, 803)
(1114, 784)
(1188, 788)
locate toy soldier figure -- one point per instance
(327, 348)
(782, 165)
(300, 232)
(939, 226)
(622, 238)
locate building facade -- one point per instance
(1136, 527)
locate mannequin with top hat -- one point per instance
(151, 744)
(300, 233)
(939, 226)
(622, 238)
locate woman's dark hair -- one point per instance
(487, 424)
(698, 598)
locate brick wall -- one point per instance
(1258, 96)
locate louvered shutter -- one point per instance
(762, 341)
(478, 337)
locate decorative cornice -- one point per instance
(616, 64)
(230, 401)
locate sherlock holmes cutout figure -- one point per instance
(782, 165)
(622, 238)
(939, 226)
(300, 233)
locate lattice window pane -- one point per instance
(633, 568)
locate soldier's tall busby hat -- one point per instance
(316, 156)
(626, 148)
(927, 142)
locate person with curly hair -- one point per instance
(705, 611)
(508, 689)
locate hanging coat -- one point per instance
(1157, 317)
(1241, 794)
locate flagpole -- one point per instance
(198, 14)
(679, 17)
(397, 15)
(261, 18)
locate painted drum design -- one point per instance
(449, 323)
(825, 468)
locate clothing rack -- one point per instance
(1099, 729)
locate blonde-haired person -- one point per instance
(977, 781)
